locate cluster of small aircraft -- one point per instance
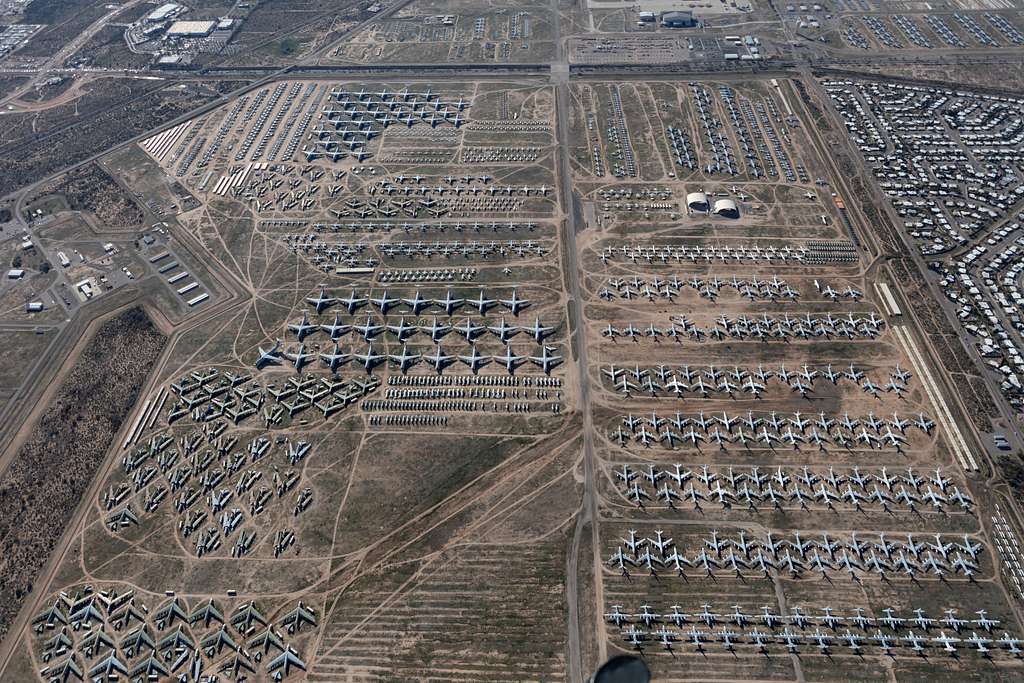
(273, 189)
(718, 145)
(217, 487)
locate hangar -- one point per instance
(726, 208)
(697, 201)
(678, 20)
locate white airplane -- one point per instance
(439, 360)
(546, 360)
(417, 303)
(509, 360)
(481, 303)
(384, 302)
(352, 302)
(475, 361)
(321, 301)
(336, 329)
(514, 304)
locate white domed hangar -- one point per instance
(697, 202)
(726, 208)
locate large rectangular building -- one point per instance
(191, 29)
(163, 12)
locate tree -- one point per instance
(288, 46)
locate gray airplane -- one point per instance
(271, 356)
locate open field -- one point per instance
(71, 438)
(115, 112)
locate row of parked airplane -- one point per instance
(520, 248)
(762, 328)
(802, 487)
(797, 618)
(396, 108)
(711, 288)
(684, 379)
(403, 330)
(456, 188)
(751, 633)
(416, 304)
(403, 95)
(766, 554)
(664, 253)
(768, 429)
(369, 359)
(169, 641)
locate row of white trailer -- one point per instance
(178, 274)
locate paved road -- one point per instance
(575, 599)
